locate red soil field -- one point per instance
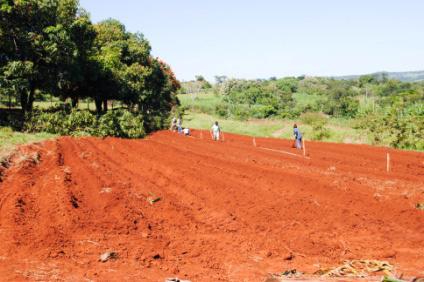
(228, 211)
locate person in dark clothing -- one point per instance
(297, 137)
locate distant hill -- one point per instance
(407, 76)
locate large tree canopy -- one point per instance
(51, 46)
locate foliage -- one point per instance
(79, 121)
(108, 125)
(52, 47)
(48, 122)
(388, 106)
(119, 123)
(310, 118)
(318, 123)
(275, 97)
(197, 85)
(222, 109)
(131, 126)
(340, 129)
(258, 99)
(397, 127)
(320, 131)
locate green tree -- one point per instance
(49, 36)
(23, 28)
(110, 47)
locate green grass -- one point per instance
(340, 130)
(200, 102)
(9, 139)
(251, 127)
(200, 116)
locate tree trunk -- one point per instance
(74, 102)
(31, 98)
(24, 101)
(10, 100)
(98, 103)
(105, 105)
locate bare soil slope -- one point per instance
(228, 211)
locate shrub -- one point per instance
(44, 121)
(240, 112)
(397, 127)
(222, 109)
(156, 121)
(289, 113)
(108, 125)
(349, 107)
(263, 111)
(119, 123)
(320, 131)
(131, 126)
(318, 122)
(311, 118)
(79, 123)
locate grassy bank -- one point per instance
(339, 130)
(201, 102)
(9, 139)
(200, 115)
(253, 127)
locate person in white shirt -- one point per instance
(215, 131)
(186, 131)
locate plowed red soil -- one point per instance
(228, 211)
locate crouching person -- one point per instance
(186, 131)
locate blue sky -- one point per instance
(260, 39)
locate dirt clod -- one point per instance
(74, 202)
(108, 256)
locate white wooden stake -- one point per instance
(254, 141)
(388, 162)
(303, 146)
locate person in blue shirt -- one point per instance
(297, 137)
(180, 125)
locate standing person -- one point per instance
(174, 124)
(297, 137)
(215, 131)
(179, 125)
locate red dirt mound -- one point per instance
(171, 206)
